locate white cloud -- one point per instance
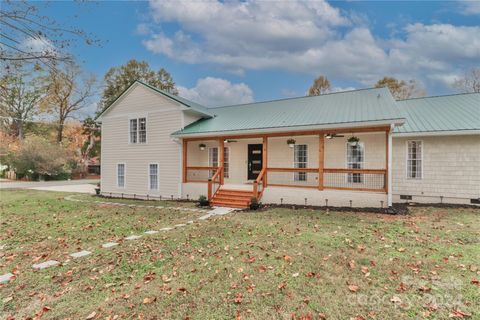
(37, 45)
(308, 37)
(470, 7)
(212, 92)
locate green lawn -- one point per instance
(273, 264)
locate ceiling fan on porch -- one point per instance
(229, 140)
(333, 135)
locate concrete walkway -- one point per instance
(81, 186)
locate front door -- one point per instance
(254, 160)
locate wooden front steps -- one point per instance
(232, 198)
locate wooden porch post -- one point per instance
(387, 132)
(184, 160)
(321, 160)
(221, 160)
(265, 160)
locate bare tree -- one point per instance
(401, 89)
(20, 95)
(470, 82)
(320, 85)
(68, 92)
(27, 35)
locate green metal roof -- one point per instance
(365, 105)
(443, 113)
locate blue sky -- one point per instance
(235, 52)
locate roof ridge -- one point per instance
(439, 96)
(293, 98)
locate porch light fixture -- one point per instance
(202, 146)
(353, 140)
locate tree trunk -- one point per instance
(60, 133)
(21, 134)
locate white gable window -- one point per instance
(121, 175)
(300, 160)
(138, 130)
(355, 158)
(153, 176)
(414, 159)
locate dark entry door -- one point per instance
(254, 160)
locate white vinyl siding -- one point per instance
(355, 160)
(300, 160)
(153, 176)
(121, 175)
(138, 130)
(414, 159)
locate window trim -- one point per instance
(306, 163)
(137, 118)
(124, 175)
(363, 162)
(150, 176)
(421, 159)
(228, 162)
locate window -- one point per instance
(142, 130)
(138, 130)
(121, 175)
(414, 159)
(300, 161)
(355, 157)
(226, 164)
(212, 160)
(153, 176)
(133, 130)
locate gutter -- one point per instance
(467, 132)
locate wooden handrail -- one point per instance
(210, 183)
(341, 170)
(255, 184)
(292, 169)
(202, 168)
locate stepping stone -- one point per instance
(166, 229)
(46, 264)
(109, 245)
(151, 232)
(159, 207)
(190, 222)
(80, 254)
(221, 211)
(205, 217)
(133, 237)
(180, 225)
(6, 277)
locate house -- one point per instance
(357, 148)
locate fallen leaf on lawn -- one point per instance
(352, 264)
(7, 299)
(91, 315)
(459, 314)
(148, 300)
(295, 274)
(475, 281)
(238, 298)
(424, 289)
(395, 299)
(353, 288)
(364, 269)
(322, 316)
(282, 285)
(401, 249)
(287, 258)
(125, 296)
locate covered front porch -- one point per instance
(331, 167)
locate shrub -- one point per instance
(203, 201)
(38, 158)
(254, 205)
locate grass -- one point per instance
(277, 263)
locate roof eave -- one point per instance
(293, 129)
(438, 133)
